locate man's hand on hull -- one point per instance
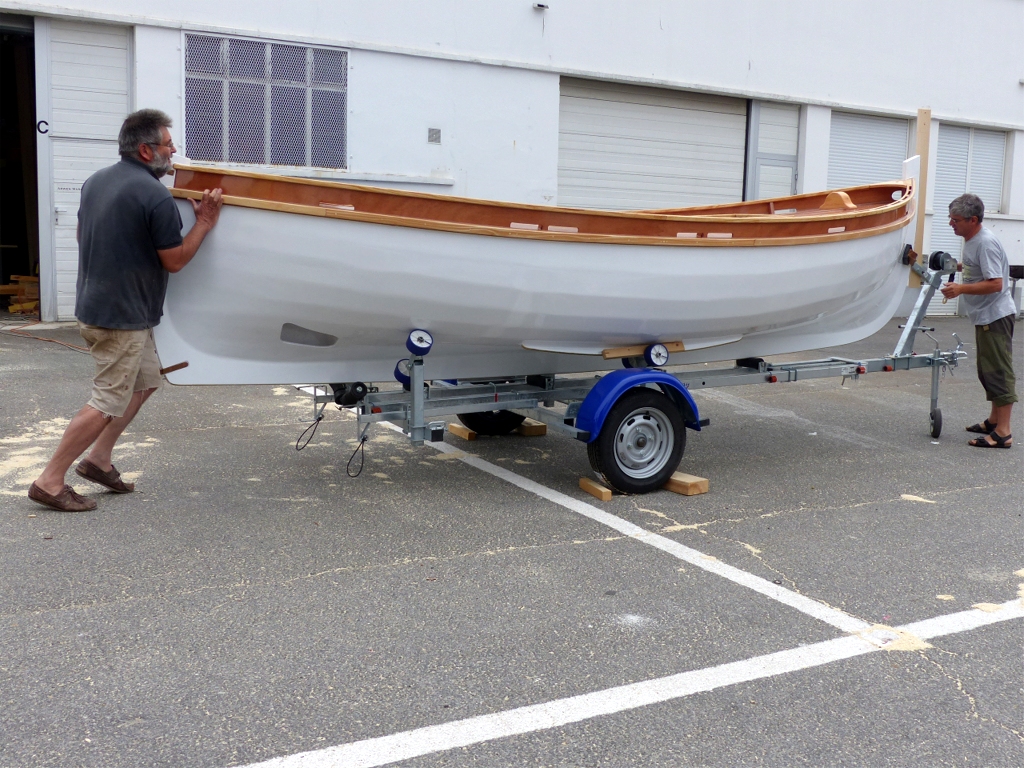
(207, 210)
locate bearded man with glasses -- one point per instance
(129, 240)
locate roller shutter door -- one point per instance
(968, 160)
(88, 99)
(622, 146)
(864, 149)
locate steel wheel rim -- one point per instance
(643, 443)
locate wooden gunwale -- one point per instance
(478, 229)
(434, 212)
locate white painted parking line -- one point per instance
(809, 606)
(475, 730)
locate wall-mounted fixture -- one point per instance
(540, 6)
(433, 135)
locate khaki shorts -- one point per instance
(126, 363)
(995, 360)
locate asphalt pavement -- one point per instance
(472, 607)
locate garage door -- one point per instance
(864, 149)
(622, 146)
(86, 98)
(968, 160)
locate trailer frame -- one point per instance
(417, 408)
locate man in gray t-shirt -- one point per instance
(129, 239)
(986, 293)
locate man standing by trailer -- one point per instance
(986, 292)
(129, 237)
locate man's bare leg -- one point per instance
(103, 448)
(1000, 416)
(84, 428)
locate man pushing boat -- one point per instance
(129, 239)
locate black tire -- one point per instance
(641, 442)
(492, 422)
(936, 422)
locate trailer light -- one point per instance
(375, 409)
(772, 378)
(887, 368)
(861, 369)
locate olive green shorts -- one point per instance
(126, 363)
(995, 360)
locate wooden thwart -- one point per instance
(687, 485)
(838, 200)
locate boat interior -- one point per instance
(820, 216)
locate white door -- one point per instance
(772, 150)
(82, 92)
(625, 146)
(864, 149)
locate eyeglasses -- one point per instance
(958, 220)
(169, 145)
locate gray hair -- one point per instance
(966, 206)
(142, 127)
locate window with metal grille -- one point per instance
(250, 101)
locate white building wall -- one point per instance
(874, 55)
(812, 148)
(499, 126)
(157, 82)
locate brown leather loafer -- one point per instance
(65, 501)
(111, 479)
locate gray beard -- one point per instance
(159, 166)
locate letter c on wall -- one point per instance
(43, 127)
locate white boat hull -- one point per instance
(483, 297)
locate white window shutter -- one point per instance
(864, 149)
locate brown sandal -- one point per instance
(111, 479)
(65, 501)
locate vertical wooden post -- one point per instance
(924, 133)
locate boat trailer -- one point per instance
(633, 420)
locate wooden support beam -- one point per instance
(460, 430)
(687, 485)
(596, 489)
(531, 428)
(637, 350)
(924, 133)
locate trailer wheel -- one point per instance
(935, 419)
(492, 422)
(641, 442)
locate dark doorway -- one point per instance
(19, 221)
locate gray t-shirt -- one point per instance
(125, 217)
(985, 259)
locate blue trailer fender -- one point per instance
(603, 396)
